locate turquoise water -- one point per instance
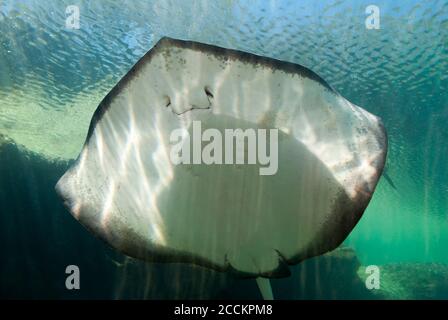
(52, 79)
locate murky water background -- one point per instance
(52, 79)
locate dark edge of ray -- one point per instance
(246, 57)
(335, 236)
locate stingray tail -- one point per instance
(265, 288)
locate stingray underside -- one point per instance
(125, 188)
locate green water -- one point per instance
(52, 79)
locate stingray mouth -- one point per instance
(190, 99)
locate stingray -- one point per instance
(125, 188)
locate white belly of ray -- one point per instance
(125, 188)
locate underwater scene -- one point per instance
(348, 199)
